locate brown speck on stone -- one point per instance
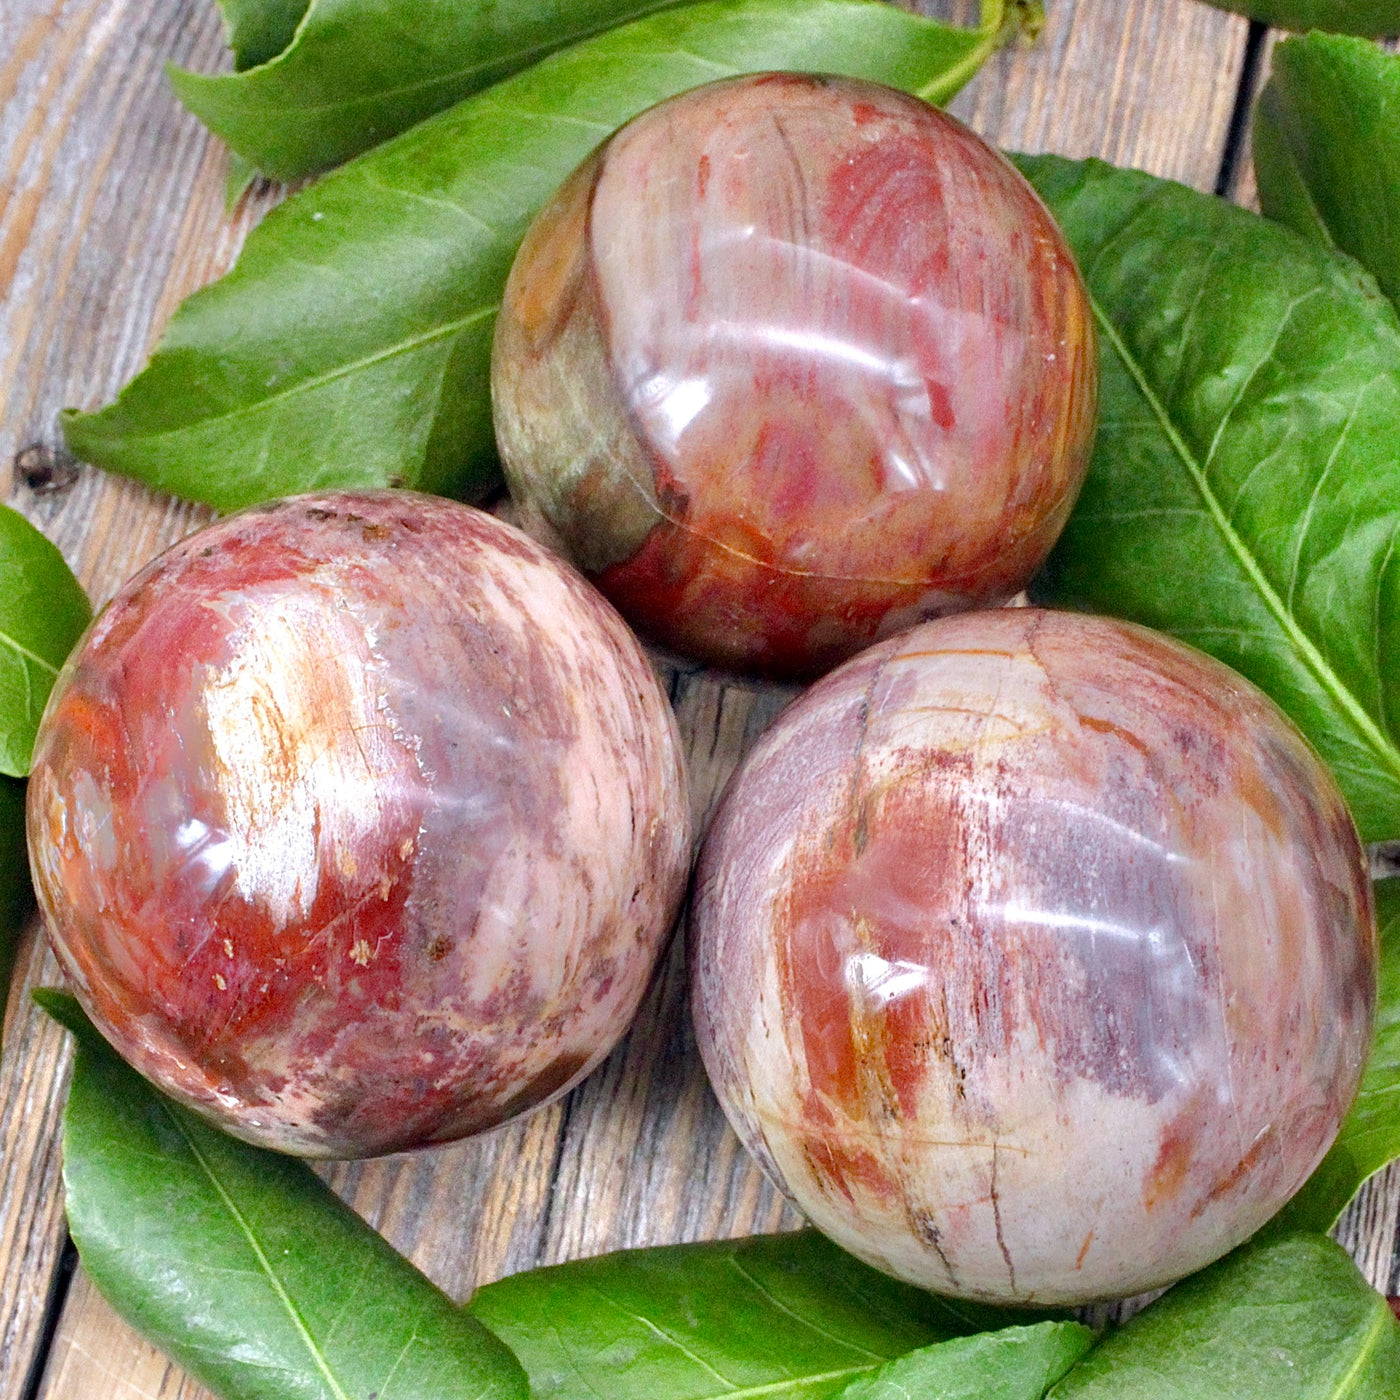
(219, 982)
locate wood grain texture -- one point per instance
(1143, 83)
(110, 211)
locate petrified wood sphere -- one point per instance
(791, 363)
(1033, 956)
(358, 822)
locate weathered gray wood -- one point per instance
(1144, 83)
(110, 211)
(85, 224)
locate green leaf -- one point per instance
(1370, 1136)
(43, 611)
(1369, 17)
(351, 345)
(780, 1316)
(1020, 1363)
(1244, 493)
(16, 895)
(1288, 1320)
(258, 30)
(1327, 149)
(242, 1265)
(238, 181)
(361, 71)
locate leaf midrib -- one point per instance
(986, 34)
(738, 1392)
(322, 1365)
(1325, 676)
(1348, 1380)
(312, 382)
(18, 647)
(523, 56)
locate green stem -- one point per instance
(1001, 22)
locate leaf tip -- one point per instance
(62, 1007)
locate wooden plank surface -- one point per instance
(110, 211)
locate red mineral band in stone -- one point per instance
(358, 822)
(791, 363)
(1034, 957)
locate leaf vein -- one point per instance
(328, 377)
(1305, 524)
(1255, 370)
(20, 649)
(667, 1337)
(1369, 1343)
(797, 1317)
(298, 1322)
(1307, 648)
(522, 57)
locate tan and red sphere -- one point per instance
(1033, 955)
(791, 363)
(358, 822)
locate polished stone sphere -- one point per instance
(1034, 957)
(791, 363)
(358, 822)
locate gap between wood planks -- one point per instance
(53, 1311)
(1237, 150)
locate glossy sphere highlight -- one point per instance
(1034, 957)
(358, 822)
(791, 363)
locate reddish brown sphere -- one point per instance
(791, 363)
(358, 822)
(1034, 957)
